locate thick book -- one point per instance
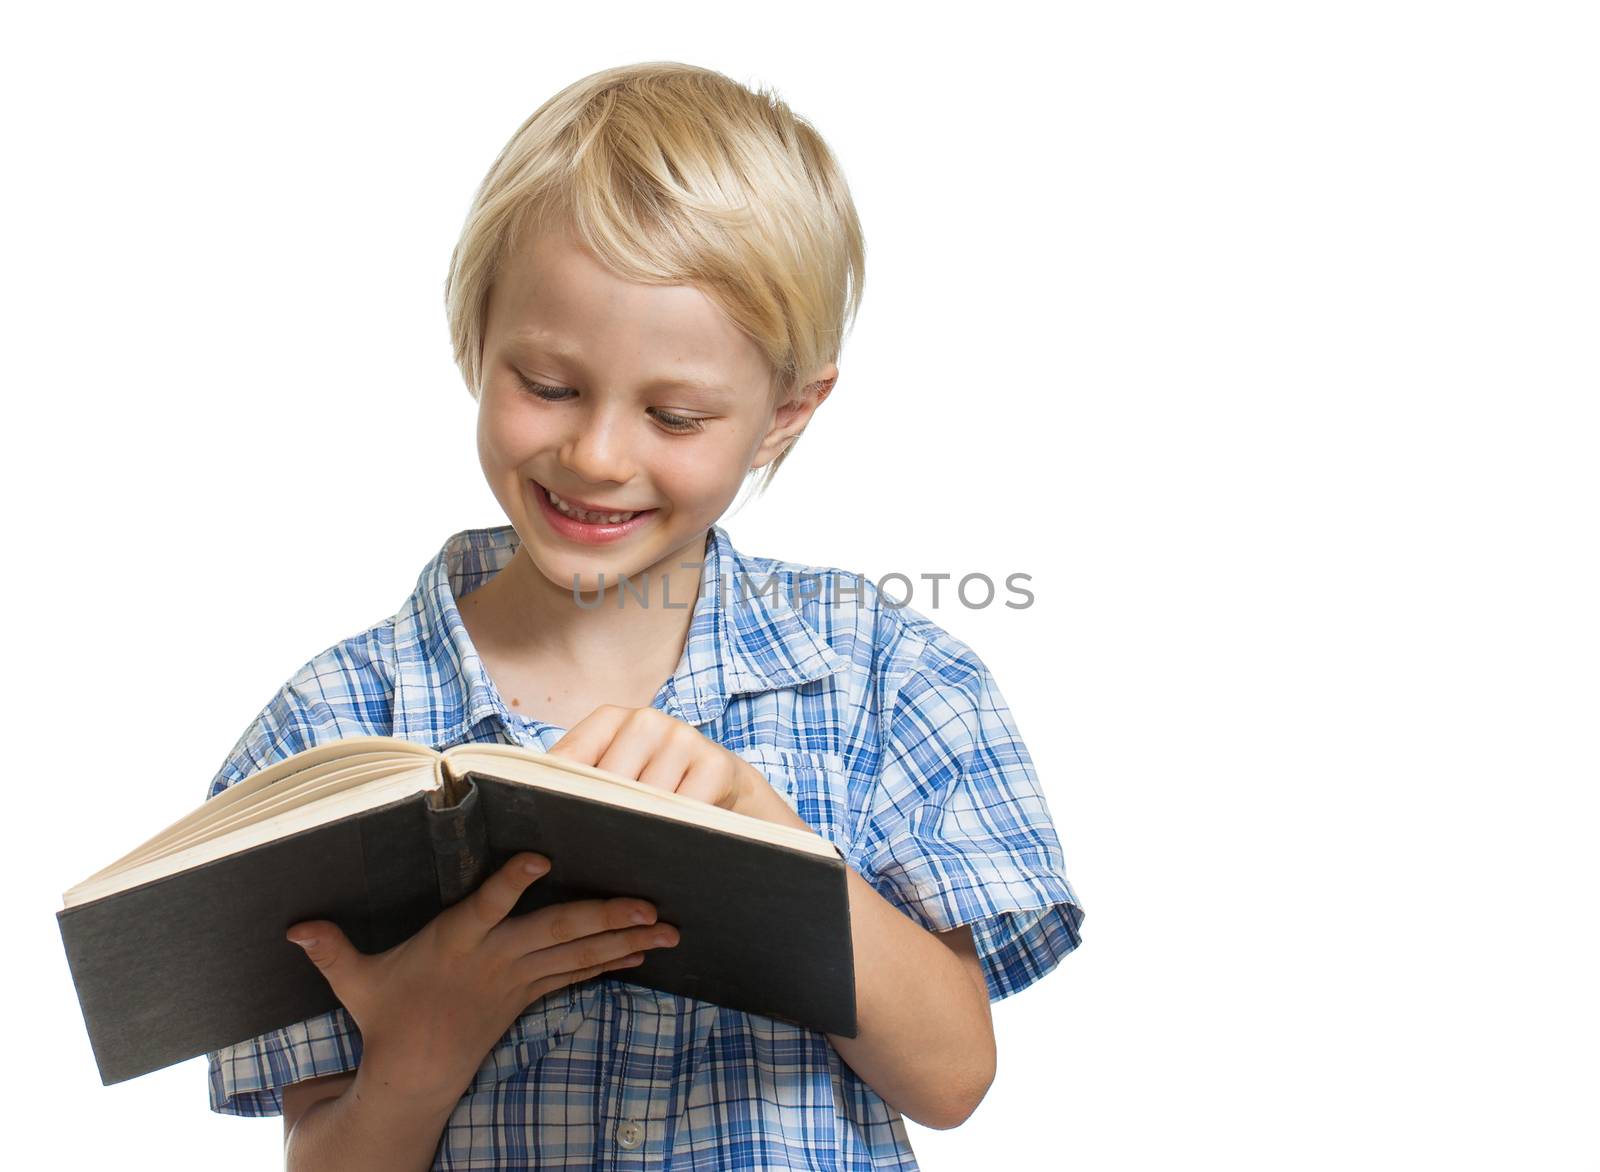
(178, 948)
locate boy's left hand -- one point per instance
(660, 750)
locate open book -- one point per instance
(178, 947)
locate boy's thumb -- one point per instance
(323, 942)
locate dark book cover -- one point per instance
(197, 961)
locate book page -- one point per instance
(319, 772)
(366, 796)
(289, 792)
(536, 768)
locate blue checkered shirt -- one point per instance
(885, 733)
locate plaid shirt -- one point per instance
(885, 733)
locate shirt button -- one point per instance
(630, 1134)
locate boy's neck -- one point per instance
(519, 615)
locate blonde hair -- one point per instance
(673, 174)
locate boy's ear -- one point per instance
(792, 415)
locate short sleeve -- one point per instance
(248, 1078)
(958, 831)
(298, 717)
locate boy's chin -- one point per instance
(644, 555)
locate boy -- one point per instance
(646, 303)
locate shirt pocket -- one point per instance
(543, 1025)
(814, 784)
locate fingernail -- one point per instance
(640, 916)
(304, 941)
(534, 867)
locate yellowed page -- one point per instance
(313, 763)
(535, 768)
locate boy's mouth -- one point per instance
(585, 513)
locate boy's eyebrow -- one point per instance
(536, 344)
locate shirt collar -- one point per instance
(742, 639)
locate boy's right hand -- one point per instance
(431, 1007)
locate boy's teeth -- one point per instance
(585, 515)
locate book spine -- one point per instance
(460, 846)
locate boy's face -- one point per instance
(607, 424)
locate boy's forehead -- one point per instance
(554, 301)
(552, 278)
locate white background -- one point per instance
(1263, 336)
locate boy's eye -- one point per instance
(553, 394)
(679, 424)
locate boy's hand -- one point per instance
(660, 750)
(431, 1007)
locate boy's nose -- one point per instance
(597, 455)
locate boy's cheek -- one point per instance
(505, 442)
